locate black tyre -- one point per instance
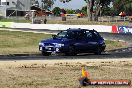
(46, 53)
(98, 51)
(71, 51)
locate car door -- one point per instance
(80, 41)
(92, 41)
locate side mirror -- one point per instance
(54, 36)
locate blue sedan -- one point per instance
(72, 42)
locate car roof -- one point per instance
(78, 29)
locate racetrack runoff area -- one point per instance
(62, 73)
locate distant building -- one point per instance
(15, 7)
(40, 12)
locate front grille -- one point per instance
(48, 44)
(49, 48)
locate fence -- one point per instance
(102, 18)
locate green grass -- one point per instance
(20, 42)
(15, 20)
(114, 44)
(16, 42)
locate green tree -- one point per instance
(123, 5)
(109, 11)
(70, 11)
(84, 10)
(35, 3)
(93, 7)
(56, 11)
(46, 4)
(78, 11)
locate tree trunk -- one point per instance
(90, 4)
(88, 11)
(97, 12)
(95, 18)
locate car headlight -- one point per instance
(58, 45)
(41, 44)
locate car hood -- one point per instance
(57, 40)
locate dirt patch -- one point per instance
(61, 74)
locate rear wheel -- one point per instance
(98, 51)
(71, 51)
(46, 53)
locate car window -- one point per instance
(78, 34)
(82, 34)
(97, 34)
(70, 35)
(62, 34)
(89, 34)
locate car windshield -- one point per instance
(62, 34)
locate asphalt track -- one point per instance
(113, 54)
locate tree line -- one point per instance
(94, 8)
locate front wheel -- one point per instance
(71, 51)
(45, 53)
(98, 51)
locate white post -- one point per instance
(5, 8)
(17, 10)
(124, 18)
(33, 16)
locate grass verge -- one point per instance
(20, 42)
(15, 20)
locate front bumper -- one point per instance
(52, 49)
(49, 49)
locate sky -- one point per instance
(74, 4)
